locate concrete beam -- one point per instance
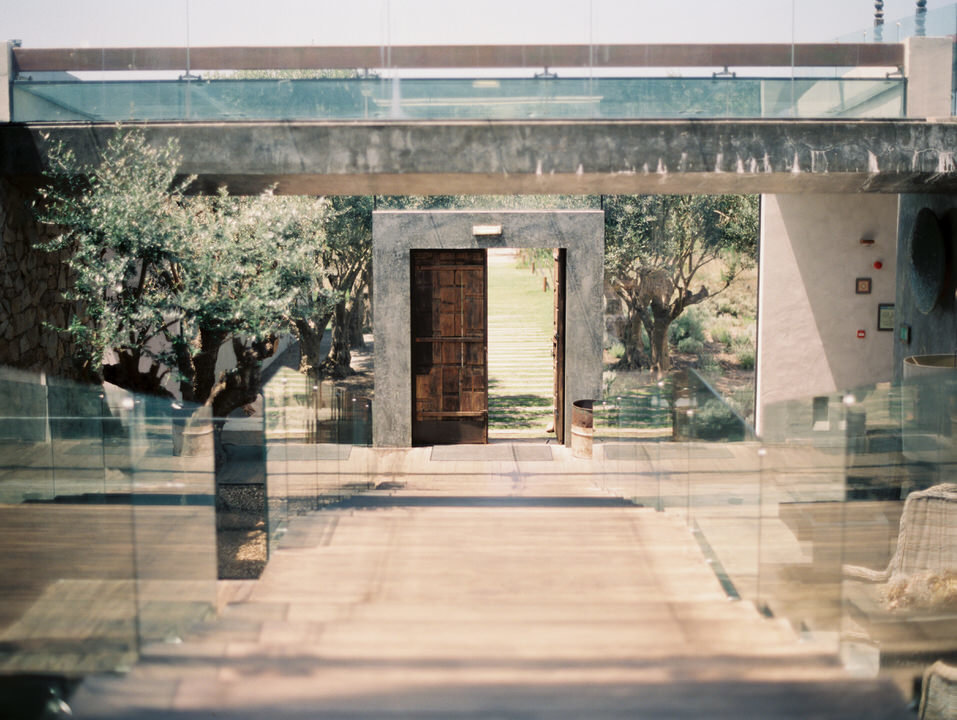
(543, 157)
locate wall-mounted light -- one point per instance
(486, 230)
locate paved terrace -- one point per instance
(499, 581)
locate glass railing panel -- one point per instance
(78, 454)
(242, 513)
(25, 442)
(69, 599)
(899, 546)
(802, 511)
(358, 469)
(449, 99)
(723, 488)
(318, 440)
(630, 421)
(173, 476)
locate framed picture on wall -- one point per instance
(885, 317)
(862, 286)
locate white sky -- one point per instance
(93, 23)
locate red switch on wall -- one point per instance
(861, 333)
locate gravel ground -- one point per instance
(241, 531)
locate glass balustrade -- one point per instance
(841, 519)
(456, 99)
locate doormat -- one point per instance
(499, 452)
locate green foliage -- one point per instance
(167, 278)
(690, 345)
(689, 325)
(125, 223)
(714, 420)
(745, 359)
(655, 246)
(722, 335)
(489, 202)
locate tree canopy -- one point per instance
(164, 280)
(655, 248)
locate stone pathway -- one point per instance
(487, 589)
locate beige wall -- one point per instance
(809, 312)
(928, 64)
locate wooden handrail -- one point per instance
(460, 56)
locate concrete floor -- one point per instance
(487, 589)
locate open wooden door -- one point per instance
(449, 347)
(558, 344)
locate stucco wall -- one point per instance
(809, 313)
(395, 233)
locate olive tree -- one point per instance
(655, 248)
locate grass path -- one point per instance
(520, 349)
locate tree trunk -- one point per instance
(660, 349)
(204, 366)
(356, 340)
(310, 334)
(631, 340)
(126, 374)
(360, 310)
(237, 387)
(338, 363)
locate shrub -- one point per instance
(721, 335)
(745, 359)
(688, 325)
(690, 345)
(716, 421)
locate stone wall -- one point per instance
(32, 283)
(396, 232)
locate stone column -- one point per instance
(928, 67)
(6, 77)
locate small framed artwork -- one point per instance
(885, 317)
(862, 286)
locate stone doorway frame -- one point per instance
(395, 232)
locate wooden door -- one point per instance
(449, 347)
(558, 344)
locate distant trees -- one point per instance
(655, 246)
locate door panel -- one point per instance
(449, 347)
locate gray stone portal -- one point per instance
(395, 233)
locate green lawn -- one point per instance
(520, 348)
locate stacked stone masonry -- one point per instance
(32, 287)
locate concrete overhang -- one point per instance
(533, 157)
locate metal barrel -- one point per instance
(583, 428)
